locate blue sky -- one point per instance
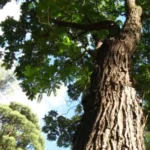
(48, 103)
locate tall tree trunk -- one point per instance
(113, 118)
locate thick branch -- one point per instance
(132, 28)
(134, 12)
(86, 27)
(130, 4)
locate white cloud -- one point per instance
(11, 9)
(16, 94)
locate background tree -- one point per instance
(19, 129)
(7, 80)
(59, 42)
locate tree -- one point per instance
(19, 129)
(84, 45)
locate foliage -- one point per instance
(19, 128)
(60, 128)
(52, 54)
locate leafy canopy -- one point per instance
(51, 42)
(53, 54)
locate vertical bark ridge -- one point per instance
(121, 129)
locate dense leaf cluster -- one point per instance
(60, 128)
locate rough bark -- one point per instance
(113, 118)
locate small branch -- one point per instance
(74, 37)
(68, 110)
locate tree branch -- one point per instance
(108, 24)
